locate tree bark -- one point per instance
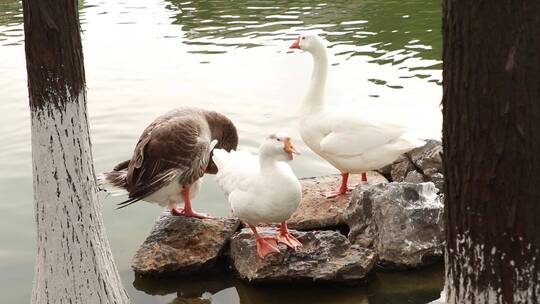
(491, 135)
(74, 263)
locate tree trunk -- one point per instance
(491, 134)
(74, 262)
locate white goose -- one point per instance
(351, 142)
(262, 189)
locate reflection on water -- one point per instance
(386, 288)
(401, 33)
(11, 30)
(144, 57)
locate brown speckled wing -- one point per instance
(173, 147)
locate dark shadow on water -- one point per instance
(415, 287)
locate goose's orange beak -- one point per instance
(296, 44)
(289, 148)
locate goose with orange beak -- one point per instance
(352, 141)
(262, 189)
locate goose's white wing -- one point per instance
(353, 135)
(235, 169)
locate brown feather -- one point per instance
(122, 166)
(175, 145)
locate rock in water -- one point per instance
(403, 222)
(315, 211)
(182, 245)
(326, 256)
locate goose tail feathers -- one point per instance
(113, 182)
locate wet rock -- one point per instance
(182, 245)
(315, 210)
(326, 256)
(422, 164)
(403, 222)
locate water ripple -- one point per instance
(400, 30)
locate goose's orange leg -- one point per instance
(343, 189)
(265, 245)
(287, 238)
(187, 210)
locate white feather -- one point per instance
(235, 168)
(257, 193)
(352, 140)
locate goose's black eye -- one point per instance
(303, 38)
(278, 139)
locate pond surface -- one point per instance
(144, 57)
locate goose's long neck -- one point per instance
(314, 100)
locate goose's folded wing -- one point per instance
(352, 137)
(163, 155)
(235, 169)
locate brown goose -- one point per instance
(172, 155)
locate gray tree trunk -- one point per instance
(74, 263)
(491, 134)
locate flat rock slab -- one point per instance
(327, 256)
(316, 211)
(183, 245)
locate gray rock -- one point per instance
(415, 177)
(183, 245)
(326, 256)
(401, 167)
(386, 171)
(403, 222)
(429, 156)
(422, 164)
(315, 210)
(435, 177)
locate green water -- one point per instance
(144, 57)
